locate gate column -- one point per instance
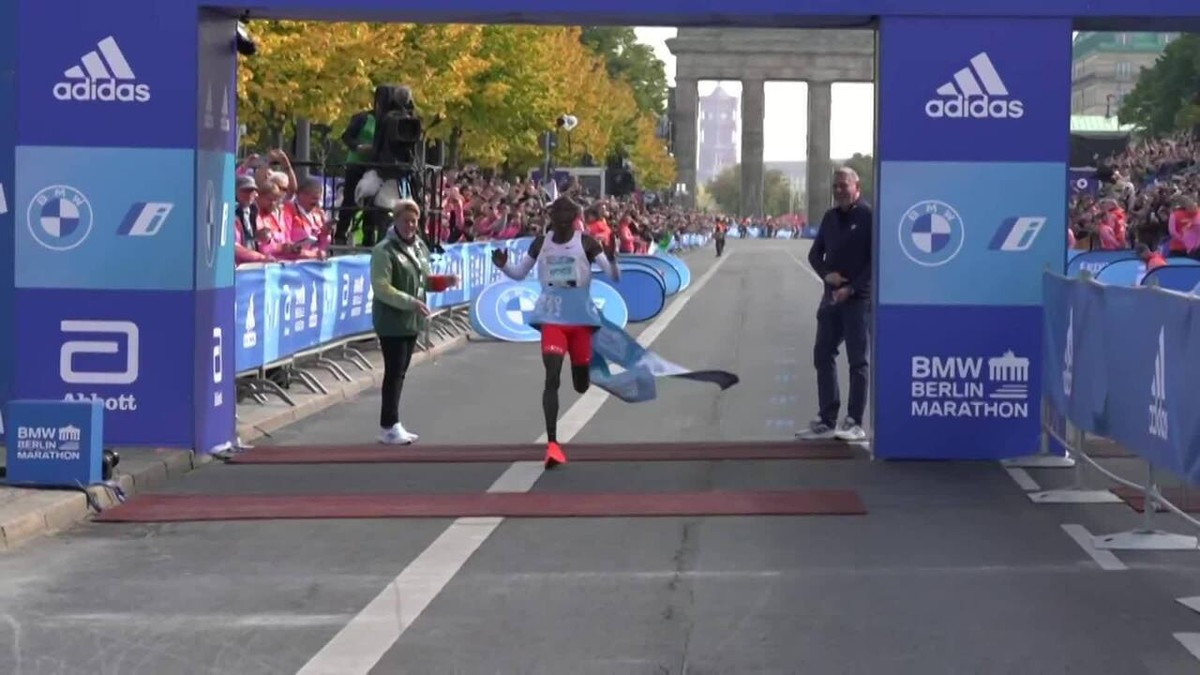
(973, 153)
(122, 262)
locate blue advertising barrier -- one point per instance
(685, 274)
(1118, 362)
(641, 288)
(499, 310)
(1132, 271)
(1094, 261)
(671, 278)
(1176, 276)
(285, 309)
(55, 443)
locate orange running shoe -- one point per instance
(554, 455)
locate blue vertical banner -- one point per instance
(973, 148)
(104, 217)
(8, 140)
(217, 338)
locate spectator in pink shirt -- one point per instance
(306, 222)
(1184, 226)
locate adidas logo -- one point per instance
(104, 75)
(976, 92)
(1158, 391)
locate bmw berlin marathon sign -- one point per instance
(971, 387)
(975, 92)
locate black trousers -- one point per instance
(397, 354)
(847, 322)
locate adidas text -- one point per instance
(108, 90)
(980, 107)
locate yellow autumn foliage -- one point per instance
(500, 86)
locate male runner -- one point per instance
(564, 313)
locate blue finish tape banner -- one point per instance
(9, 31)
(642, 289)
(499, 311)
(214, 375)
(966, 386)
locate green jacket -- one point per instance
(399, 278)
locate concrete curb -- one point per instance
(31, 514)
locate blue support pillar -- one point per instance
(122, 278)
(974, 127)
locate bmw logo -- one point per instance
(931, 233)
(59, 217)
(512, 306)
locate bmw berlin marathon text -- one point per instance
(49, 443)
(970, 387)
(976, 92)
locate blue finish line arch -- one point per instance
(118, 127)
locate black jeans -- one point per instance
(848, 322)
(397, 354)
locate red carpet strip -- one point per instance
(185, 508)
(611, 452)
(1188, 501)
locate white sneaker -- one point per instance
(405, 432)
(396, 435)
(816, 431)
(850, 431)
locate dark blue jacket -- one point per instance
(843, 245)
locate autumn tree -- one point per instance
(498, 87)
(632, 62)
(1165, 98)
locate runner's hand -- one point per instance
(500, 257)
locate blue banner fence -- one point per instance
(1118, 363)
(296, 317)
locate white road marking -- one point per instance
(1192, 603)
(1105, 559)
(359, 646)
(1190, 642)
(807, 268)
(1023, 479)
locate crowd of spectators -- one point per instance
(282, 218)
(1146, 200)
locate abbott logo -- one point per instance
(1158, 390)
(103, 76)
(71, 348)
(975, 92)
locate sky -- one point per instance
(785, 124)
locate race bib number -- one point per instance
(560, 270)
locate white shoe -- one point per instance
(850, 431)
(395, 436)
(406, 433)
(816, 431)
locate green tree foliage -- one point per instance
(726, 191)
(1165, 97)
(634, 63)
(499, 87)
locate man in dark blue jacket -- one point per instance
(841, 256)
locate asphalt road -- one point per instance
(952, 571)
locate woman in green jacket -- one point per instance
(400, 278)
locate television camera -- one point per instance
(404, 164)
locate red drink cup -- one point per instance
(442, 282)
